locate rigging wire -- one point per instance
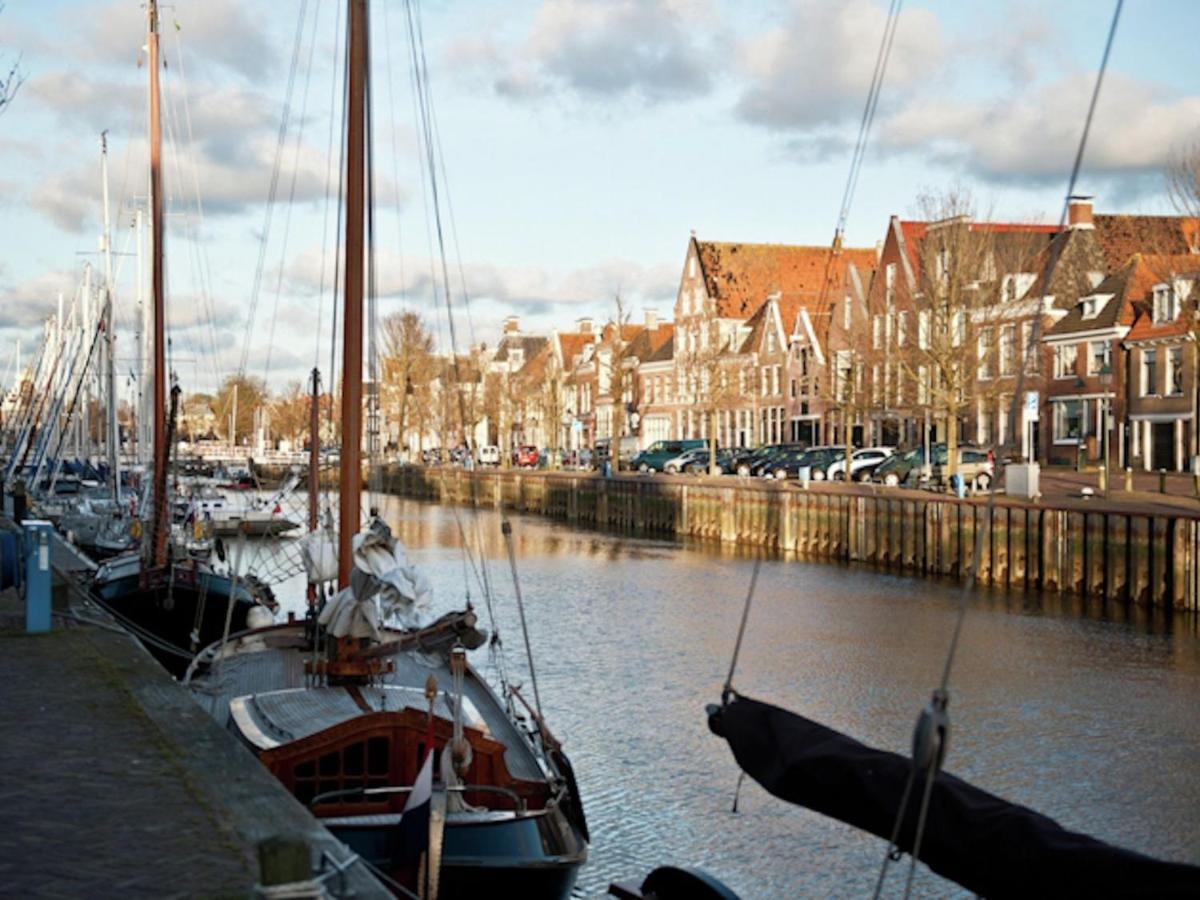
(932, 730)
(280, 144)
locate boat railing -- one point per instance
(330, 796)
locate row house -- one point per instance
(1161, 351)
(749, 344)
(940, 337)
(1092, 396)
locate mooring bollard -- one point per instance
(1128, 479)
(284, 860)
(37, 575)
(1162, 481)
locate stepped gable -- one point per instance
(739, 277)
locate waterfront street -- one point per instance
(1090, 720)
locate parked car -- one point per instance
(898, 467)
(526, 455)
(676, 464)
(488, 455)
(816, 459)
(976, 465)
(727, 460)
(432, 456)
(760, 460)
(654, 457)
(865, 458)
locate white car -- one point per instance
(489, 455)
(867, 457)
(675, 465)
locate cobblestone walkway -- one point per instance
(96, 799)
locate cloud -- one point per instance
(1033, 137)
(221, 32)
(815, 69)
(603, 49)
(31, 302)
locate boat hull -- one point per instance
(536, 856)
(185, 610)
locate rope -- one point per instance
(506, 530)
(727, 691)
(923, 738)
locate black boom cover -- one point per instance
(988, 845)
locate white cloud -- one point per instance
(815, 69)
(1035, 135)
(651, 51)
(29, 303)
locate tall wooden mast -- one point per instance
(352, 299)
(158, 527)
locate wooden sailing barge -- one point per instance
(347, 712)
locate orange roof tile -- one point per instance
(1150, 270)
(740, 276)
(1121, 236)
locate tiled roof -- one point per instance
(757, 324)
(529, 343)
(740, 276)
(1152, 270)
(1117, 311)
(665, 351)
(1010, 241)
(572, 343)
(1122, 236)
(535, 367)
(648, 341)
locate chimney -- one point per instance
(651, 320)
(585, 326)
(1079, 211)
(512, 325)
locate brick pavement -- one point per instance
(113, 782)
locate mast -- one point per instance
(314, 463)
(158, 525)
(113, 438)
(352, 300)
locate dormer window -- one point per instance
(1165, 304)
(1093, 305)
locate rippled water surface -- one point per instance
(1090, 717)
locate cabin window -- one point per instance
(358, 765)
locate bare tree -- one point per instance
(715, 379)
(611, 364)
(406, 364)
(11, 82)
(965, 338)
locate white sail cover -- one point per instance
(382, 584)
(318, 550)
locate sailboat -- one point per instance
(369, 716)
(176, 606)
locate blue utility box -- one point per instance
(38, 535)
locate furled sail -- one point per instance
(984, 843)
(383, 584)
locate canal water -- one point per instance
(1088, 715)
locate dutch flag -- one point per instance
(414, 821)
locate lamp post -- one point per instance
(1106, 378)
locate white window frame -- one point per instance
(1066, 358)
(1150, 356)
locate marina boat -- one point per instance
(345, 713)
(225, 516)
(372, 717)
(175, 606)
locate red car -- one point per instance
(527, 455)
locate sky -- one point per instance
(580, 142)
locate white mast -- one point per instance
(113, 437)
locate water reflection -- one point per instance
(1083, 710)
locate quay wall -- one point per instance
(1107, 554)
